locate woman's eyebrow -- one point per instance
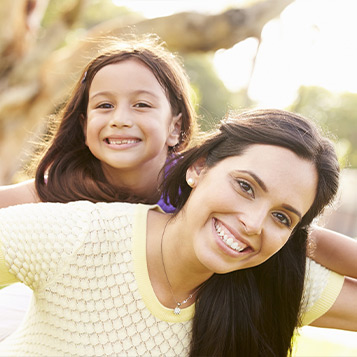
(293, 210)
(265, 189)
(256, 178)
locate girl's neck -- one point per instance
(143, 185)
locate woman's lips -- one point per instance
(230, 240)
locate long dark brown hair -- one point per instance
(254, 312)
(73, 172)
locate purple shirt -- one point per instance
(168, 208)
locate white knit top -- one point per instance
(86, 264)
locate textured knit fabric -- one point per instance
(322, 287)
(86, 264)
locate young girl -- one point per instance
(122, 279)
(129, 111)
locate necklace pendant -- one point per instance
(177, 310)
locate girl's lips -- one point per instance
(121, 141)
(232, 241)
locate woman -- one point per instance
(119, 278)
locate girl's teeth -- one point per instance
(120, 142)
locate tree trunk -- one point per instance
(35, 76)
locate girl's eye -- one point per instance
(142, 105)
(282, 218)
(246, 187)
(105, 106)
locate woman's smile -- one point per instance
(232, 241)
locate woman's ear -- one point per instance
(195, 171)
(174, 131)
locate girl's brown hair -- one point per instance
(73, 173)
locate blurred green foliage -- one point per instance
(92, 13)
(213, 98)
(336, 113)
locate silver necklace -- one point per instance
(177, 309)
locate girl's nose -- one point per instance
(121, 118)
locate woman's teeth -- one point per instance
(228, 240)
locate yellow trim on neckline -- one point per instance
(141, 271)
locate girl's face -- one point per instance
(129, 124)
(243, 210)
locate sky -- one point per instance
(312, 43)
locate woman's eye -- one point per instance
(282, 218)
(246, 187)
(105, 106)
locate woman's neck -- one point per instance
(173, 271)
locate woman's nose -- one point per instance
(253, 222)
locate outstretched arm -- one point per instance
(23, 192)
(36, 238)
(329, 299)
(334, 251)
(343, 313)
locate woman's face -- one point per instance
(243, 210)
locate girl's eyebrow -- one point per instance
(136, 92)
(104, 93)
(265, 189)
(144, 91)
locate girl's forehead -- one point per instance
(129, 75)
(130, 63)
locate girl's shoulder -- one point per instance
(20, 193)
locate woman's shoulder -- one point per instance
(115, 210)
(80, 215)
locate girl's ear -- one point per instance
(83, 122)
(195, 171)
(174, 131)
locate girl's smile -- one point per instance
(122, 142)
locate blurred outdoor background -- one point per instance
(299, 55)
